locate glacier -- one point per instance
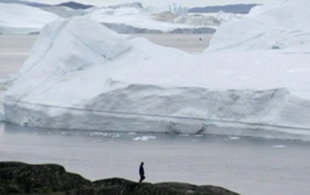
(82, 75)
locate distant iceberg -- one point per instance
(23, 19)
(133, 18)
(125, 18)
(278, 25)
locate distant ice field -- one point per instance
(15, 49)
(243, 164)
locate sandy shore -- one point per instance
(15, 49)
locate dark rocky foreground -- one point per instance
(20, 178)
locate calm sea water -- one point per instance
(245, 165)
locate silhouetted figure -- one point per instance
(141, 172)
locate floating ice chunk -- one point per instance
(99, 134)
(116, 135)
(184, 135)
(234, 138)
(279, 146)
(97, 141)
(144, 138)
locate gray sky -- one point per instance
(158, 3)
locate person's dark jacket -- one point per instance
(141, 170)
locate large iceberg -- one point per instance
(23, 19)
(81, 75)
(81, 68)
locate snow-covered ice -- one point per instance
(1, 108)
(279, 146)
(280, 24)
(93, 78)
(63, 12)
(127, 19)
(23, 19)
(227, 17)
(144, 138)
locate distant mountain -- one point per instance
(75, 5)
(236, 8)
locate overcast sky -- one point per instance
(158, 3)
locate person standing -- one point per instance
(141, 172)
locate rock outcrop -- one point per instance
(20, 178)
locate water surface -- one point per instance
(245, 165)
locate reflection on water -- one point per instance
(246, 165)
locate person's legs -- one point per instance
(142, 177)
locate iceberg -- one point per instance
(86, 65)
(81, 75)
(63, 11)
(17, 18)
(136, 5)
(277, 25)
(178, 9)
(136, 19)
(227, 17)
(23, 19)
(1, 108)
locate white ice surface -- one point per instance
(277, 25)
(144, 19)
(22, 19)
(227, 17)
(93, 78)
(1, 106)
